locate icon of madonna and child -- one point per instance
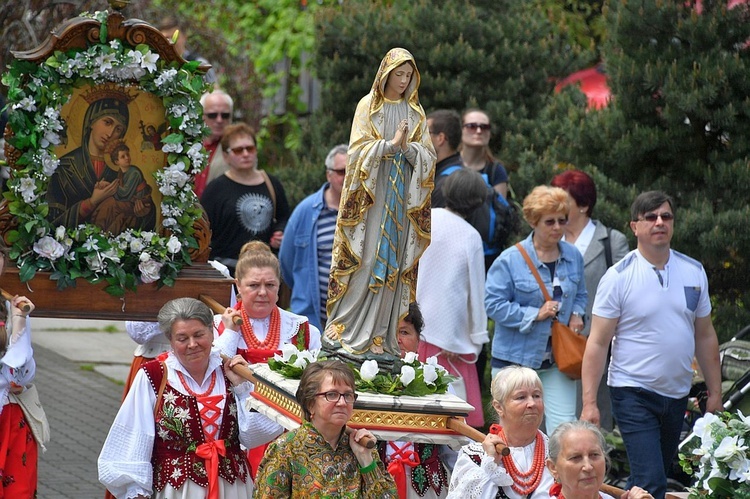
(96, 182)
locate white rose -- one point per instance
(136, 245)
(407, 375)
(149, 271)
(369, 370)
(174, 245)
(49, 248)
(287, 351)
(144, 257)
(410, 357)
(430, 374)
(60, 233)
(434, 363)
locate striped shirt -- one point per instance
(326, 229)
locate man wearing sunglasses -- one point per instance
(654, 303)
(305, 254)
(217, 114)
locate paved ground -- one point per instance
(81, 366)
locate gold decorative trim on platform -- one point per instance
(401, 420)
(362, 417)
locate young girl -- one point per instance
(18, 449)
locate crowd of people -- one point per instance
(410, 188)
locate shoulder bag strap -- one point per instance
(271, 191)
(534, 271)
(162, 385)
(608, 248)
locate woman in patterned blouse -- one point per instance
(319, 459)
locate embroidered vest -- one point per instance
(430, 472)
(179, 432)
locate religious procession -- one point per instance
(449, 294)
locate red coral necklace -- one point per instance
(191, 392)
(272, 336)
(524, 483)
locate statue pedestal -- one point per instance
(415, 419)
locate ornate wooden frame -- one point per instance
(90, 301)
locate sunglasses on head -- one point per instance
(240, 149)
(652, 217)
(481, 126)
(213, 116)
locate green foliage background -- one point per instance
(678, 120)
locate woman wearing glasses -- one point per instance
(514, 300)
(319, 459)
(475, 149)
(245, 203)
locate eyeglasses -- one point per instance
(340, 173)
(349, 397)
(552, 221)
(239, 150)
(213, 116)
(653, 217)
(484, 127)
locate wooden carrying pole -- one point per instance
(459, 426)
(218, 308)
(24, 305)
(247, 373)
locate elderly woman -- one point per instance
(179, 430)
(514, 300)
(320, 458)
(482, 473)
(600, 246)
(577, 461)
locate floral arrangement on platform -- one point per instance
(292, 361)
(415, 378)
(718, 457)
(36, 94)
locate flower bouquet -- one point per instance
(292, 361)
(717, 456)
(415, 378)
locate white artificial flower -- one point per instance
(104, 62)
(410, 357)
(434, 363)
(49, 248)
(95, 262)
(27, 104)
(150, 271)
(430, 374)
(148, 236)
(26, 188)
(60, 232)
(111, 254)
(310, 356)
(369, 370)
(165, 77)
(149, 61)
(167, 148)
(174, 245)
(91, 244)
(300, 362)
(179, 110)
(168, 222)
(49, 162)
(407, 375)
(730, 448)
(136, 245)
(287, 350)
(144, 257)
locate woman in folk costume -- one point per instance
(384, 218)
(265, 327)
(179, 429)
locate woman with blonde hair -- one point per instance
(523, 317)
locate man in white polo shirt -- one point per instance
(655, 309)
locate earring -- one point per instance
(581, 211)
